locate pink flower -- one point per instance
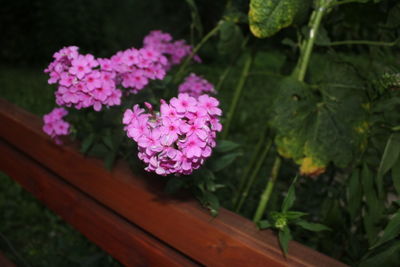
(80, 66)
(81, 83)
(183, 103)
(196, 86)
(210, 104)
(54, 125)
(175, 51)
(176, 140)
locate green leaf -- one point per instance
(290, 197)
(389, 158)
(264, 224)
(267, 17)
(315, 227)
(284, 238)
(230, 40)
(174, 184)
(316, 126)
(99, 150)
(87, 143)
(211, 201)
(391, 231)
(293, 215)
(396, 176)
(373, 215)
(387, 257)
(224, 161)
(110, 159)
(224, 146)
(108, 141)
(322, 37)
(354, 194)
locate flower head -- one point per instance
(175, 140)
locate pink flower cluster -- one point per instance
(81, 84)
(136, 67)
(196, 86)
(174, 50)
(54, 125)
(177, 139)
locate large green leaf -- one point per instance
(267, 17)
(324, 123)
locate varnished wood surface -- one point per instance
(228, 240)
(126, 242)
(5, 262)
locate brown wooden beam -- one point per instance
(226, 240)
(126, 242)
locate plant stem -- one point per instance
(222, 78)
(262, 205)
(306, 48)
(236, 96)
(253, 176)
(194, 52)
(361, 42)
(249, 167)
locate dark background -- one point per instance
(31, 31)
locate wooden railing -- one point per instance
(128, 215)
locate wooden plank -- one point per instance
(5, 262)
(228, 239)
(126, 242)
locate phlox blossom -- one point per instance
(54, 125)
(195, 86)
(178, 138)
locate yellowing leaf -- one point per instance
(267, 17)
(311, 167)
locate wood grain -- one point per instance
(125, 241)
(228, 240)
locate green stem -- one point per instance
(222, 78)
(306, 48)
(249, 167)
(236, 96)
(194, 52)
(262, 205)
(228, 69)
(253, 176)
(361, 42)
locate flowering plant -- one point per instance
(176, 140)
(324, 116)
